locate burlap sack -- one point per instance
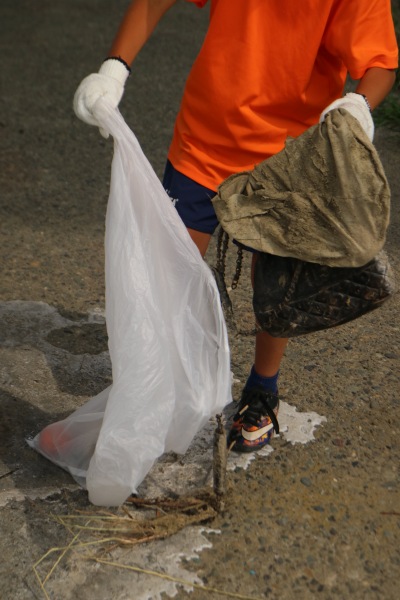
(324, 198)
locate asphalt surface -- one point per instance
(317, 519)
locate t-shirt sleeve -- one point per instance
(362, 34)
(199, 3)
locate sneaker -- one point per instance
(255, 421)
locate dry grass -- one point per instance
(96, 533)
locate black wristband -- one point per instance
(119, 59)
(366, 100)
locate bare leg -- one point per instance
(269, 352)
(255, 421)
(200, 239)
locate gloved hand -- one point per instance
(108, 82)
(356, 105)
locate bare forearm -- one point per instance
(136, 27)
(376, 84)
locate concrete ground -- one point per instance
(317, 519)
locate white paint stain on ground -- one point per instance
(298, 428)
(28, 325)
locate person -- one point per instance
(266, 71)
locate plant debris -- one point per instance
(139, 520)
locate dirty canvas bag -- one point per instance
(324, 198)
(167, 338)
(317, 213)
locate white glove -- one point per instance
(357, 106)
(108, 82)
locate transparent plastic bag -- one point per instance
(167, 338)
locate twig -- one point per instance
(137, 531)
(64, 550)
(220, 455)
(9, 473)
(165, 503)
(41, 584)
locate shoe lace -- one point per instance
(255, 404)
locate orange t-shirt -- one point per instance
(266, 70)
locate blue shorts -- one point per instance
(191, 200)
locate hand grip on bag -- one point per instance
(108, 83)
(357, 106)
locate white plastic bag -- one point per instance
(167, 338)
